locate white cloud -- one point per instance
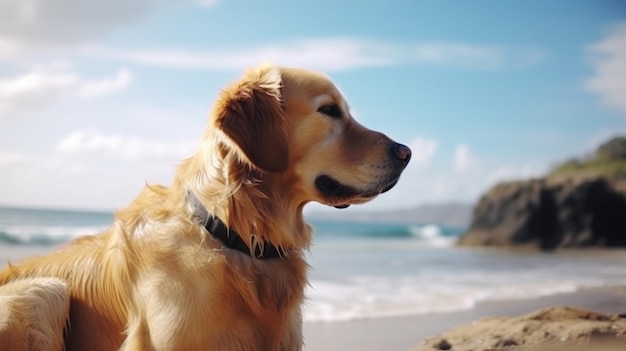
(35, 81)
(22, 163)
(105, 86)
(9, 48)
(41, 24)
(206, 3)
(609, 62)
(11, 158)
(121, 147)
(44, 84)
(35, 26)
(50, 179)
(463, 160)
(484, 57)
(423, 152)
(57, 22)
(329, 54)
(33, 90)
(88, 169)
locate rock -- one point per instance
(555, 328)
(443, 344)
(550, 213)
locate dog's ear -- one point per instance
(250, 113)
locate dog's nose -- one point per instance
(402, 151)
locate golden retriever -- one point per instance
(216, 260)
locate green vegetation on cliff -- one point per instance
(608, 160)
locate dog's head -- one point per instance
(295, 128)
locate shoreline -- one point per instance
(407, 332)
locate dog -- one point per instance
(216, 260)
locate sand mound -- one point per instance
(551, 329)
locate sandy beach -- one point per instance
(406, 333)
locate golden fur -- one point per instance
(33, 314)
(156, 280)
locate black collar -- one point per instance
(228, 236)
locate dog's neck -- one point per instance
(256, 206)
(228, 236)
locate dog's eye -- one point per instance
(331, 110)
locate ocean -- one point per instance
(374, 270)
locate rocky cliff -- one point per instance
(574, 206)
(551, 213)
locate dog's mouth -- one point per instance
(339, 195)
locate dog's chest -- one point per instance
(230, 299)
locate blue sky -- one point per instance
(96, 98)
